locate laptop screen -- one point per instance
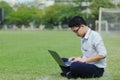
(57, 58)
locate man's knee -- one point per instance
(75, 66)
(64, 59)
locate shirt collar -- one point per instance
(87, 34)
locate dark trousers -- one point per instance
(82, 70)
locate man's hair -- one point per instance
(76, 21)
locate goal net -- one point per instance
(109, 20)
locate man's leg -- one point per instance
(65, 70)
(85, 70)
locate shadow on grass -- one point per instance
(56, 76)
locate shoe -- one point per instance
(63, 74)
(70, 76)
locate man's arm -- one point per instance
(72, 58)
(94, 58)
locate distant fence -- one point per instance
(32, 27)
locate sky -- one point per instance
(12, 2)
(22, 0)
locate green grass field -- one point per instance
(24, 55)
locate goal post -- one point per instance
(103, 25)
(109, 19)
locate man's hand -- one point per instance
(79, 59)
(72, 58)
(75, 59)
(94, 58)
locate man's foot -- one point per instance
(70, 76)
(63, 74)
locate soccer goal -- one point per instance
(109, 20)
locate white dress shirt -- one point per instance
(92, 44)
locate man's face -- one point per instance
(79, 31)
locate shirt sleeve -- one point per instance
(99, 45)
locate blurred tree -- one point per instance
(51, 16)
(39, 16)
(24, 15)
(96, 4)
(7, 8)
(94, 7)
(21, 16)
(60, 13)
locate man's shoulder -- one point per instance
(95, 33)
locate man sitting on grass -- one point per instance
(93, 60)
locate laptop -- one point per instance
(58, 59)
